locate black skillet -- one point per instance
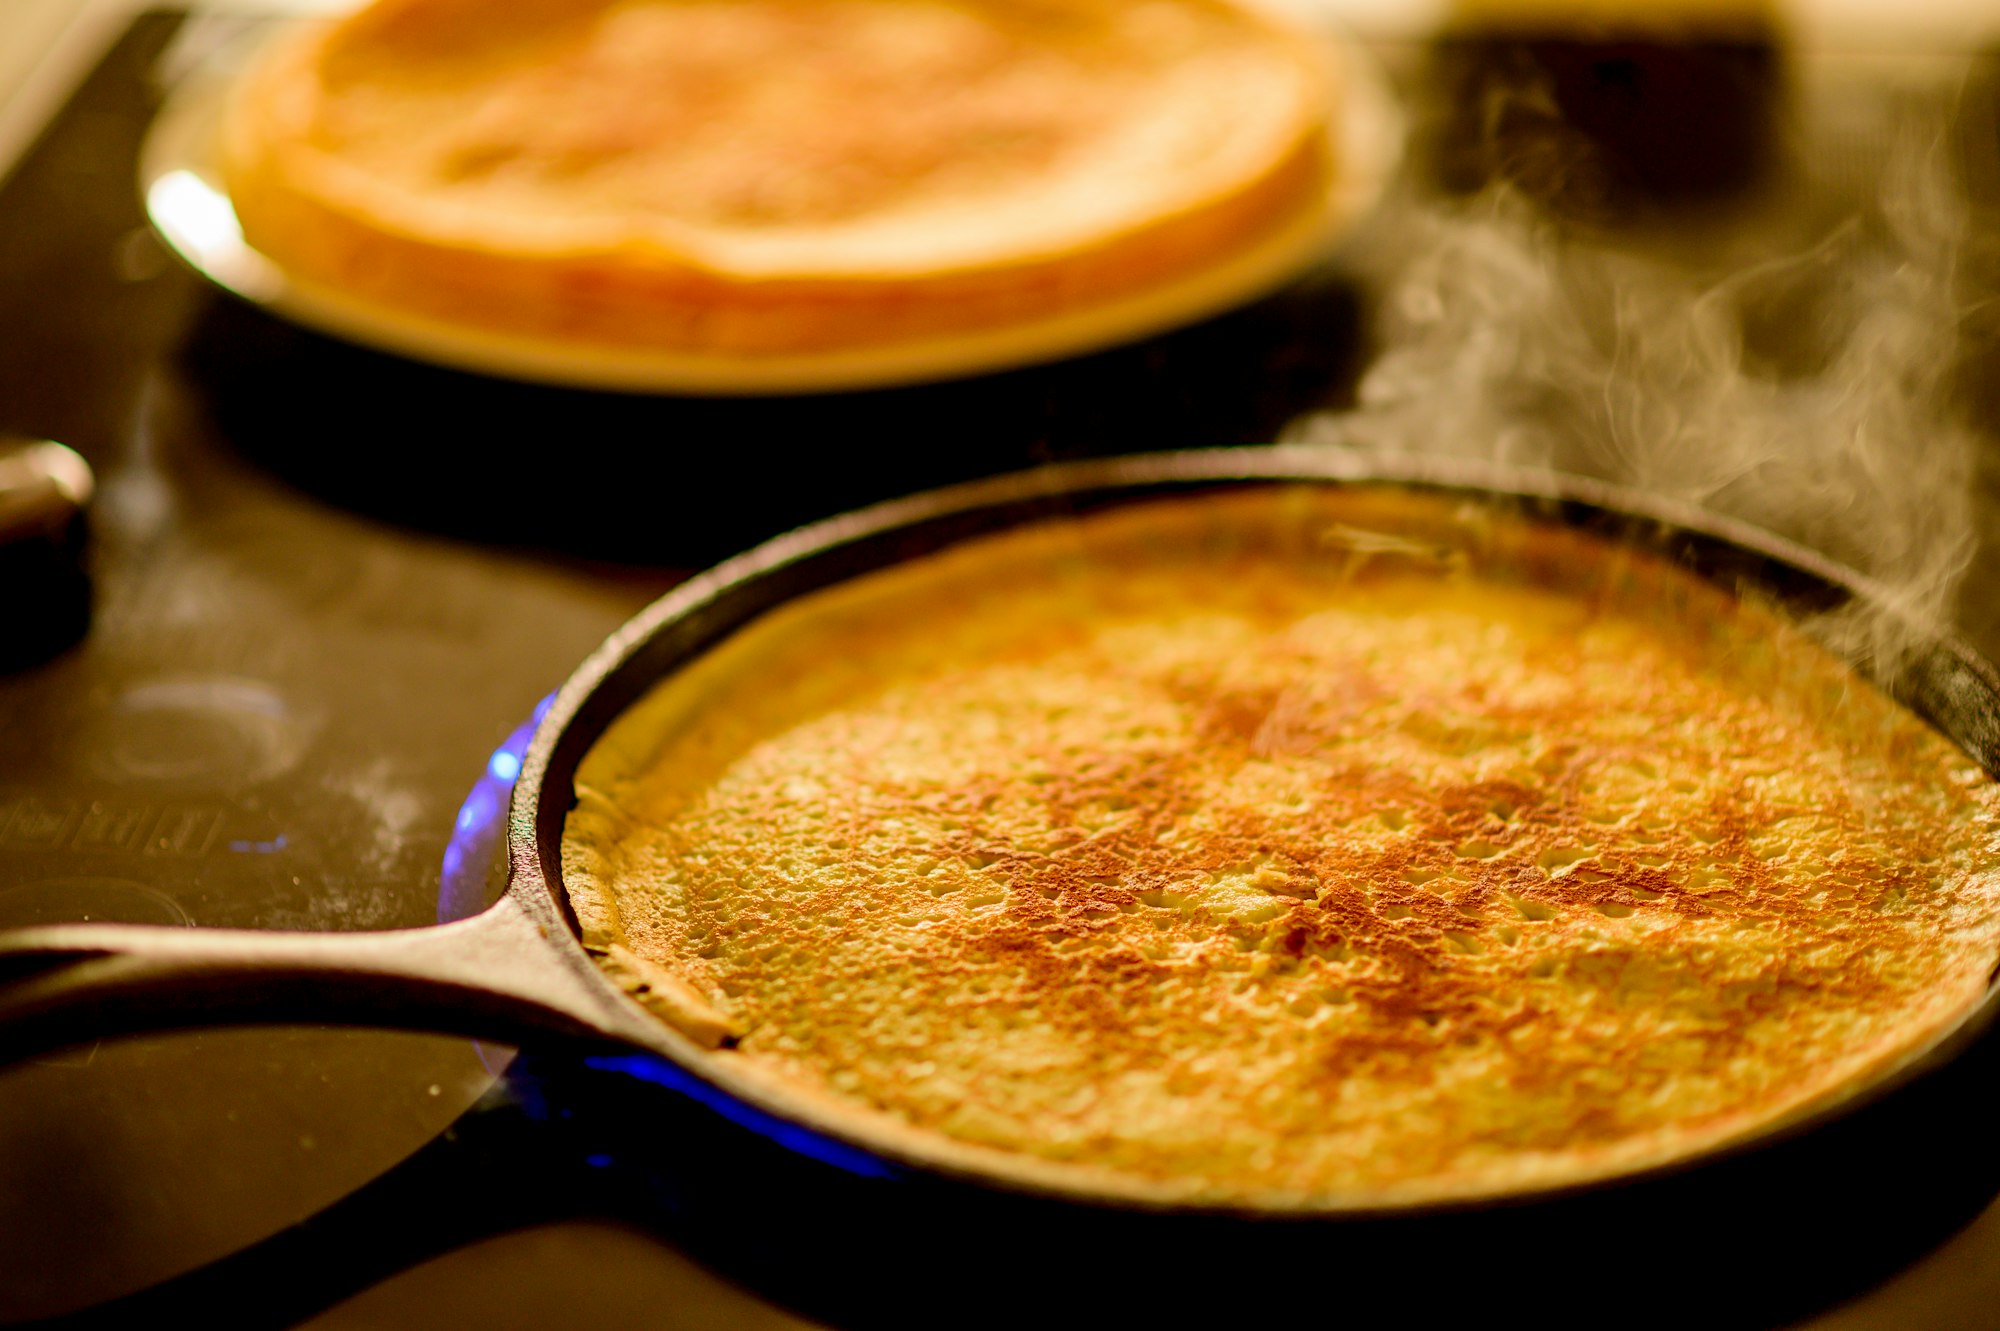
(867, 1230)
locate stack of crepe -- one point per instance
(773, 177)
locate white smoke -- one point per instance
(1810, 394)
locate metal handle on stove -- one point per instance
(493, 975)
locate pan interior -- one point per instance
(1287, 846)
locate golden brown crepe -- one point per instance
(1289, 847)
(759, 177)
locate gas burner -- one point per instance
(471, 879)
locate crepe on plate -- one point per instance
(773, 177)
(1289, 847)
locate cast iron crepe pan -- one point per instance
(1761, 1228)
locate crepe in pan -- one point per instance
(1289, 848)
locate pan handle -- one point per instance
(497, 975)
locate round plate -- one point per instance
(180, 179)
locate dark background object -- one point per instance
(1627, 124)
(45, 493)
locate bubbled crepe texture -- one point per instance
(1292, 847)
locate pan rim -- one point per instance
(539, 806)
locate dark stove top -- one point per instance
(330, 585)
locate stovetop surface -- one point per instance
(330, 585)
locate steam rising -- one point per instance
(1810, 394)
